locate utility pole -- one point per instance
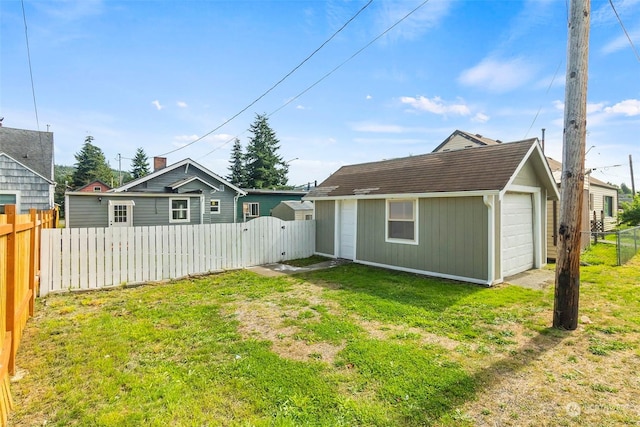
(567, 289)
(119, 170)
(633, 182)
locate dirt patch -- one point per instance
(267, 321)
(383, 331)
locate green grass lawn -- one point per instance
(351, 346)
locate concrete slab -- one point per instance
(277, 269)
(533, 279)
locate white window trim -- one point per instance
(15, 193)
(179, 221)
(415, 222)
(248, 213)
(214, 200)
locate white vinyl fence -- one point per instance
(93, 258)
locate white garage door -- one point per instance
(517, 233)
(348, 229)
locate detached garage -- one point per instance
(476, 215)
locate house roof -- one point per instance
(298, 205)
(50, 181)
(475, 138)
(556, 169)
(93, 183)
(275, 192)
(186, 162)
(487, 168)
(30, 148)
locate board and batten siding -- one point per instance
(34, 191)
(452, 237)
(325, 215)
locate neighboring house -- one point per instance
(459, 140)
(26, 169)
(472, 215)
(293, 210)
(261, 202)
(96, 186)
(599, 199)
(182, 193)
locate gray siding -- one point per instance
(452, 237)
(325, 226)
(284, 212)
(159, 183)
(89, 211)
(34, 191)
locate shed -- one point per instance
(475, 215)
(290, 210)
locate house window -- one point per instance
(7, 198)
(608, 206)
(119, 214)
(591, 201)
(308, 217)
(97, 189)
(401, 221)
(251, 209)
(179, 210)
(214, 206)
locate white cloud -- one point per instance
(368, 97)
(157, 104)
(594, 107)
(300, 107)
(436, 105)
(480, 118)
(628, 107)
(498, 76)
(181, 104)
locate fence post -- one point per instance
(12, 243)
(619, 248)
(34, 258)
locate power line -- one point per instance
(277, 83)
(540, 107)
(33, 90)
(330, 72)
(625, 30)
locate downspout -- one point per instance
(201, 208)
(489, 203)
(66, 211)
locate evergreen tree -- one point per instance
(237, 166)
(91, 165)
(265, 168)
(140, 164)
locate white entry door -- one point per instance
(517, 233)
(121, 213)
(347, 247)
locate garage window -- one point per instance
(401, 221)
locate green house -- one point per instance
(261, 202)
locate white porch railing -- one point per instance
(93, 258)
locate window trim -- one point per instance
(217, 212)
(15, 193)
(247, 213)
(171, 211)
(388, 239)
(605, 206)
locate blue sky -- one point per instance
(160, 74)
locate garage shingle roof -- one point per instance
(475, 169)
